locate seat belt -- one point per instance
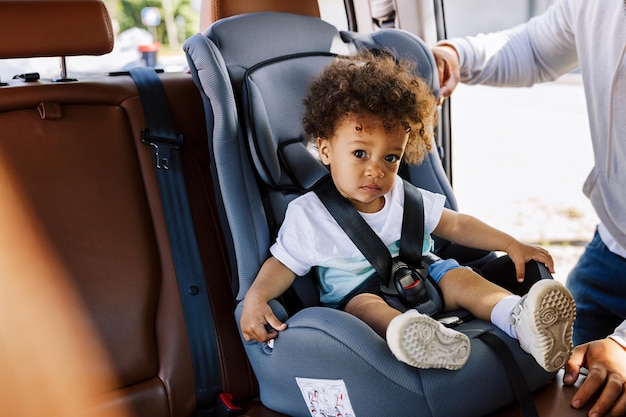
(366, 240)
(357, 229)
(514, 372)
(412, 236)
(161, 136)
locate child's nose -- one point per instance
(376, 170)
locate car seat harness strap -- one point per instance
(403, 281)
(514, 372)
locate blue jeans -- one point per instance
(598, 284)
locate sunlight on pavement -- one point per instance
(520, 157)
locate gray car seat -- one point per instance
(252, 71)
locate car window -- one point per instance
(521, 155)
(334, 12)
(147, 32)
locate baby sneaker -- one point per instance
(421, 341)
(543, 320)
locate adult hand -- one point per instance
(606, 361)
(448, 68)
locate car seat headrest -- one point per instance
(248, 39)
(43, 28)
(272, 96)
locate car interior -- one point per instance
(94, 312)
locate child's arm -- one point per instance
(273, 279)
(469, 231)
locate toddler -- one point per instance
(367, 114)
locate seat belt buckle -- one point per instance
(412, 288)
(409, 283)
(226, 406)
(161, 147)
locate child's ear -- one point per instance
(322, 146)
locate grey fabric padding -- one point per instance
(274, 112)
(255, 180)
(236, 187)
(331, 344)
(244, 40)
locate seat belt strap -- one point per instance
(366, 240)
(514, 372)
(355, 226)
(165, 144)
(412, 237)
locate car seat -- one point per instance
(252, 70)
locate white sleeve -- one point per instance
(296, 239)
(433, 207)
(619, 335)
(540, 50)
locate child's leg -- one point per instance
(414, 338)
(373, 310)
(464, 288)
(542, 320)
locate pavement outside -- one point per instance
(520, 157)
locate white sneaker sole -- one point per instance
(550, 342)
(423, 342)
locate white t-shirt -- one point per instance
(310, 237)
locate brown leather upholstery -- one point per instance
(91, 183)
(76, 155)
(89, 179)
(42, 28)
(214, 10)
(51, 361)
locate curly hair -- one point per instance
(375, 84)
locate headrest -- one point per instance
(50, 28)
(248, 39)
(273, 92)
(219, 9)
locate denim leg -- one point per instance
(598, 284)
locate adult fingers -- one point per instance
(594, 381)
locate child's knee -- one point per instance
(363, 301)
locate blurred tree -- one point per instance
(128, 14)
(111, 6)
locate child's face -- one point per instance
(364, 158)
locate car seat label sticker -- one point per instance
(325, 397)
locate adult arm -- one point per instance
(606, 361)
(540, 50)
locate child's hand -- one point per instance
(521, 253)
(255, 318)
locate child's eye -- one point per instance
(360, 154)
(392, 158)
